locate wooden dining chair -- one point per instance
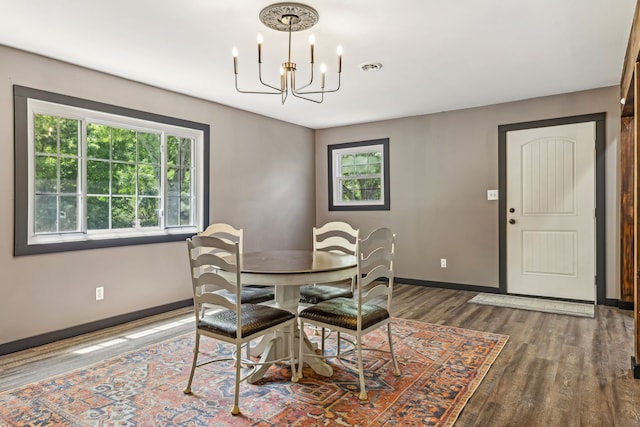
(233, 322)
(338, 237)
(253, 294)
(368, 311)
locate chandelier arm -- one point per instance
(310, 81)
(297, 95)
(321, 91)
(254, 91)
(266, 84)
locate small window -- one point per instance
(94, 175)
(359, 175)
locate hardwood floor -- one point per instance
(555, 370)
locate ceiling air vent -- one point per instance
(371, 66)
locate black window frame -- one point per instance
(21, 95)
(386, 206)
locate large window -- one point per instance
(359, 175)
(94, 175)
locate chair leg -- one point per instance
(363, 390)
(301, 349)
(396, 370)
(236, 397)
(294, 372)
(196, 347)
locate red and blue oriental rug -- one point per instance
(441, 368)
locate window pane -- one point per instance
(349, 170)
(173, 150)
(46, 174)
(173, 211)
(185, 152)
(98, 177)
(69, 175)
(148, 180)
(149, 148)
(148, 212)
(374, 169)
(124, 179)
(98, 141)
(185, 210)
(361, 159)
(69, 136)
(68, 213)
(362, 169)
(370, 189)
(173, 181)
(366, 189)
(186, 183)
(123, 212)
(348, 160)
(98, 213)
(46, 214)
(46, 134)
(124, 144)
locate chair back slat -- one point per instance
(214, 299)
(213, 281)
(337, 237)
(375, 292)
(225, 232)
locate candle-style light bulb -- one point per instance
(339, 50)
(312, 42)
(260, 48)
(234, 52)
(323, 70)
(282, 78)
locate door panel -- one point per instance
(551, 205)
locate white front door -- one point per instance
(551, 211)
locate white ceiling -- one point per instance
(436, 55)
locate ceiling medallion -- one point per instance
(280, 16)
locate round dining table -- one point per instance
(286, 271)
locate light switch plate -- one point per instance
(492, 194)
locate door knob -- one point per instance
(512, 221)
(512, 210)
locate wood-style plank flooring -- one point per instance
(555, 370)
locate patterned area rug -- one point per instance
(441, 368)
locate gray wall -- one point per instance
(255, 173)
(441, 168)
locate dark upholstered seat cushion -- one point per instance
(343, 312)
(251, 294)
(314, 294)
(255, 318)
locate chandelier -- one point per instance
(290, 17)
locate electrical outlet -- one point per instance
(99, 293)
(443, 262)
(492, 194)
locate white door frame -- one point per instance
(600, 266)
